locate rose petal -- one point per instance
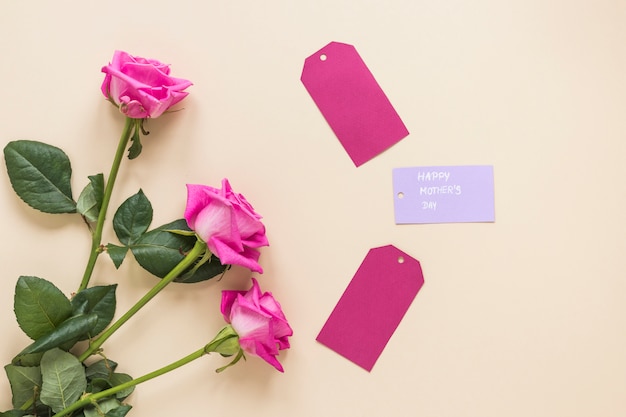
(249, 322)
(263, 352)
(231, 256)
(258, 321)
(145, 81)
(228, 298)
(215, 222)
(221, 219)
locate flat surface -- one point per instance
(522, 317)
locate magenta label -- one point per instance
(372, 306)
(352, 102)
(444, 194)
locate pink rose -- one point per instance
(227, 223)
(141, 87)
(259, 322)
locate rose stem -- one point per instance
(198, 249)
(96, 238)
(91, 398)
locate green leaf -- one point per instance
(39, 306)
(40, 175)
(117, 253)
(33, 359)
(70, 331)
(211, 269)
(120, 411)
(103, 368)
(103, 382)
(132, 218)
(102, 407)
(25, 383)
(109, 407)
(90, 199)
(63, 379)
(99, 300)
(159, 251)
(13, 413)
(98, 384)
(119, 379)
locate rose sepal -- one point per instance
(226, 343)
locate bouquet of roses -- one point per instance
(65, 371)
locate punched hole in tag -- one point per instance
(400, 259)
(400, 195)
(323, 57)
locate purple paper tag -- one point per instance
(444, 194)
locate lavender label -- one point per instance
(444, 194)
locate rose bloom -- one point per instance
(259, 322)
(141, 87)
(227, 223)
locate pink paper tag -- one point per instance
(370, 309)
(352, 102)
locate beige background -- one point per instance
(522, 317)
